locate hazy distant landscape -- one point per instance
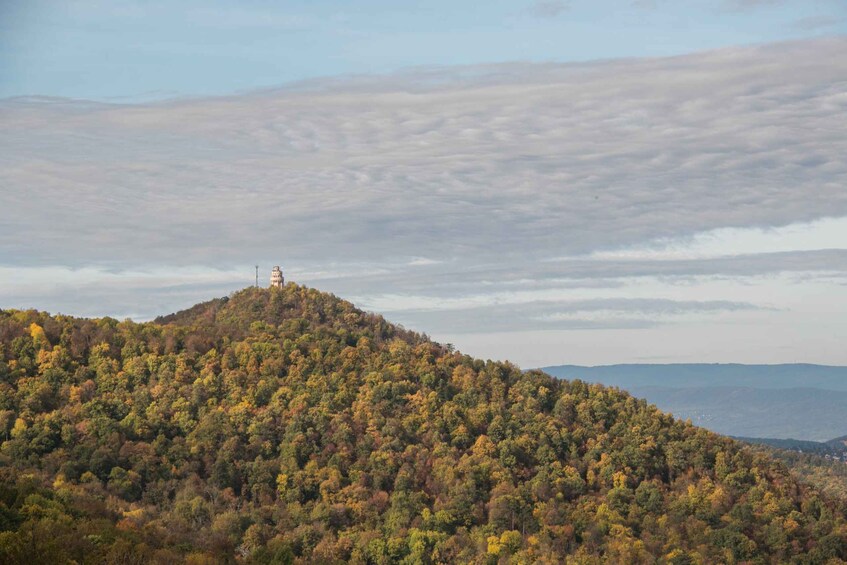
(799, 401)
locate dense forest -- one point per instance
(827, 475)
(287, 426)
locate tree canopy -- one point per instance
(287, 426)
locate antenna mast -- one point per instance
(257, 276)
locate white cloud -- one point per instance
(487, 162)
(826, 233)
(421, 261)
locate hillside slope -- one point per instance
(280, 426)
(826, 474)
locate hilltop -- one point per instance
(286, 425)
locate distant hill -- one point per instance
(700, 375)
(832, 447)
(288, 426)
(840, 442)
(807, 402)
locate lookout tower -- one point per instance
(276, 278)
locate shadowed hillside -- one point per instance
(285, 425)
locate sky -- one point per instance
(549, 182)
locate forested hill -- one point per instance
(285, 425)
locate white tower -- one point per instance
(276, 277)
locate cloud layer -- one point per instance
(441, 183)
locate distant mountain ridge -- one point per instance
(832, 447)
(694, 375)
(802, 401)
